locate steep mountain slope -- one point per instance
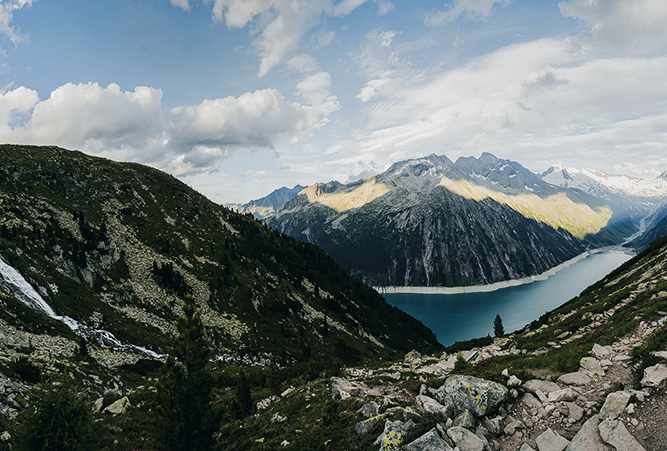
(116, 246)
(432, 222)
(268, 206)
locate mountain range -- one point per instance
(269, 205)
(108, 251)
(433, 222)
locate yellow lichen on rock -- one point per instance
(557, 211)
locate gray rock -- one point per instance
(575, 411)
(653, 375)
(543, 386)
(464, 439)
(513, 380)
(493, 425)
(392, 437)
(577, 378)
(119, 406)
(600, 351)
(477, 395)
(368, 409)
(526, 447)
(591, 365)
(465, 419)
(615, 433)
(430, 405)
(532, 402)
(588, 438)
(551, 441)
(614, 404)
(430, 441)
(566, 394)
(412, 357)
(411, 414)
(98, 404)
(364, 426)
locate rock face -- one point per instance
(432, 222)
(479, 396)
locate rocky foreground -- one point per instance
(595, 408)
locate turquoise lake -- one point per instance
(458, 317)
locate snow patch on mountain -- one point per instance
(598, 183)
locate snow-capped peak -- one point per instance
(597, 182)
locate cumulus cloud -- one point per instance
(7, 10)
(131, 125)
(472, 9)
(620, 24)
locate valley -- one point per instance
(103, 265)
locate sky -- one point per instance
(240, 97)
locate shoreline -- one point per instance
(498, 285)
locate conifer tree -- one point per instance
(183, 412)
(498, 329)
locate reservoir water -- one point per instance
(458, 317)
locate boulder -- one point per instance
(614, 404)
(364, 426)
(577, 378)
(477, 395)
(544, 386)
(411, 414)
(513, 380)
(465, 419)
(551, 441)
(526, 447)
(368, 409)
(653, 375)
(591, 365)
(431, 441)
(430, 405)
(464, 439)
(615, 433)
(600, 351)
(412, 357)
(566, 394)
(575, 411)
(588, 438)
(118, 407)
(393, 436)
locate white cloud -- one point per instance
(7, 14)
(131, 125)
(89, 117)
(386, 38)
(621, 24)
(304, 64)
(473, 9)
(345, 7)
(523, 102)
(254, 119)
(324, 38)
(184, 4)
(257, 175)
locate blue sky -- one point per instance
(240, 97)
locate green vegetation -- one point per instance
(498, 328)
(58, 420)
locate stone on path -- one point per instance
(543, 386)
(615, 433)
(653, 375)
(551, 441)
(566, 394)
(600, 351)
(591, 365)
(464, 439)
(614, 404)
(588, 438)
(577, 378)
(526, 447)
(430, 441)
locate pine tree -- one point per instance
(183, 412)
(498, 329)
